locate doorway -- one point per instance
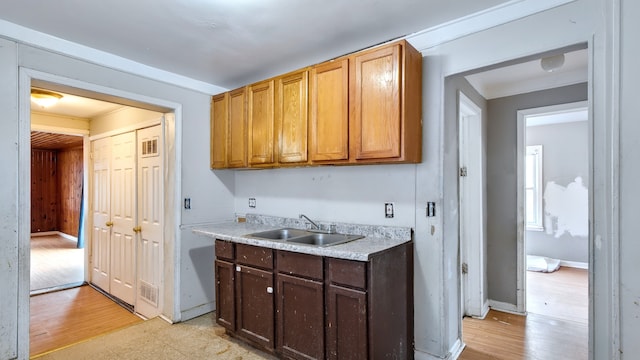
(554, 178)
(57, 243)
(108, 124)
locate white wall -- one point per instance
(629, 285)
(121, 118)
(45, 121)
(353, 194)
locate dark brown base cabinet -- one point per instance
(321, 307)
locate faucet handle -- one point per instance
(332, 228)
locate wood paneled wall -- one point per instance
(44, 190)
(56, 190)
(70, 190)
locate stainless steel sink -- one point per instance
(324, 239)
(280, 234)
(304, 237)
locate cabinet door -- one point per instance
(261, 129)
(219, 123)
(300, 307)
(292, 117)
(254, 307)
(375, 100)
(237, 138)
(225, 295)
(346, 323)
(329, 122)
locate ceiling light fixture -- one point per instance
(552, 63)
(44, 98)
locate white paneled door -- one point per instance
(127, 218)
(150, 216)
(123, 216)
(101, 213)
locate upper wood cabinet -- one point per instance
(385, 100)
(292, 117)
(329, 119)
(219, 125)
(237, 146)
(362, 108)
(261, 125)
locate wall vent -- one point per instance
(149, 293)
(150, 147)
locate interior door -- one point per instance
(150, 221)
(123, 212)
(101, 213)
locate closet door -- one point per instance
(101, 213)
(150, 221)
(123, 216)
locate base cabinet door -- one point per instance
(346, 323)
(225, 295)
(300, 317)
(254, 305)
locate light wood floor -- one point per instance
(55, 262)
(556, 326)
(66, 317)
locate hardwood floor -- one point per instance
(56, 262)
(556, 326)
(66, 317)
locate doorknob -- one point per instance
(137, 229)
(109, 223)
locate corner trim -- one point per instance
(482, 20)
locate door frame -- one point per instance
(172, 130)
(472, 284)
(521, 146)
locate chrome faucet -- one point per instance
(303, 216)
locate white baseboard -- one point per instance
(454, 353)
(505, 307)
(575, 264)
(485, 311)
(50, 233)
(196, 311)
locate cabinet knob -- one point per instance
(238, 269)
(269, 290)
(137, 229)
(109, 223)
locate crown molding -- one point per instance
(482, 20)
(54, 44)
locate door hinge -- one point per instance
(463, 171)
(465, 268)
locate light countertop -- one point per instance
(377, 238)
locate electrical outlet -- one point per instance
(388, 210)
(187, 203)
(252, 202)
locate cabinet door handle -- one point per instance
(269, 290)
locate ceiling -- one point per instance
(233, 43)
(77, 106)
(48, 141)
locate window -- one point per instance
(533, 188)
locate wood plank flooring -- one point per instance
(556, 326)
(55, 263)
(67, 317)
